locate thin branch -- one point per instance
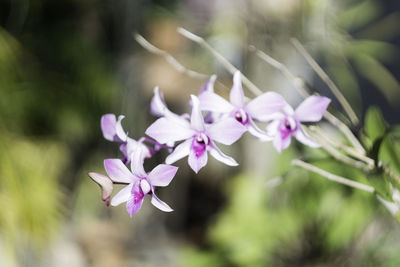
(296, 82)
(170, 59)
(297, 85)
(232, 69)
(333, 177)
(342, 100)
(390, 173)
(349, 150)
(345, 130)
(339, 156)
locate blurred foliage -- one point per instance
(306, 220)
(351, 44)
(29, 189)
(54, 86)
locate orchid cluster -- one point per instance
(196, 136)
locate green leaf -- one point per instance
(375, 72)
(379, 50)
(375, 125)
(381, 184)
(358, 15)
(389, 155)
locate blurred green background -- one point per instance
(65, 63)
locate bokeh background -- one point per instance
(65, 63)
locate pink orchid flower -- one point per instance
(139, 183)
(258, 109)
(288, 123)
(199, 137)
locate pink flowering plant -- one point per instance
(215, 120)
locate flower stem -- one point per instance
(390, 173)
(338, 155)
(296, 82)
(232, 69)
(169, 58)
(349, 150)
(333, 177)
(342, 100)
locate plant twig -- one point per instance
(232, 69)
(390, 173)
(349, 150)
(296, 82)
(342, 100)
(341, 157)
(170, 59)
(333, 177)
(345, 130)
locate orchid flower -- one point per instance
(257, 109)
(199, 138)
(288, 123)
(139, 183)
(113, 131)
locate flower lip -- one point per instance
(199, 144)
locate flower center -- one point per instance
(200, 143)
(289, 124)
(145, 186)
(200, 140)
(241, 116)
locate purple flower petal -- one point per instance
(288, 110)
(261, 107)
(281, 142)
(122, 196)
(272, 128)
(196, 119)
(105, 184)
(312, 108)
(164, 131)
(145, 186)
(160, 204)
(236, 95)
(133, 205)
(213, 102)
(137, 159)
(119, 130)
(117, 171)
(157, 105)
(304, 138)
(218, 155)
(226, 131)
(125, 158)
(159, 108)
(197, 162)
(257, 132)
(162, 175)
(107, 124)
(131, 145)
(182, 150)
(275, 116)
(208, 86)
